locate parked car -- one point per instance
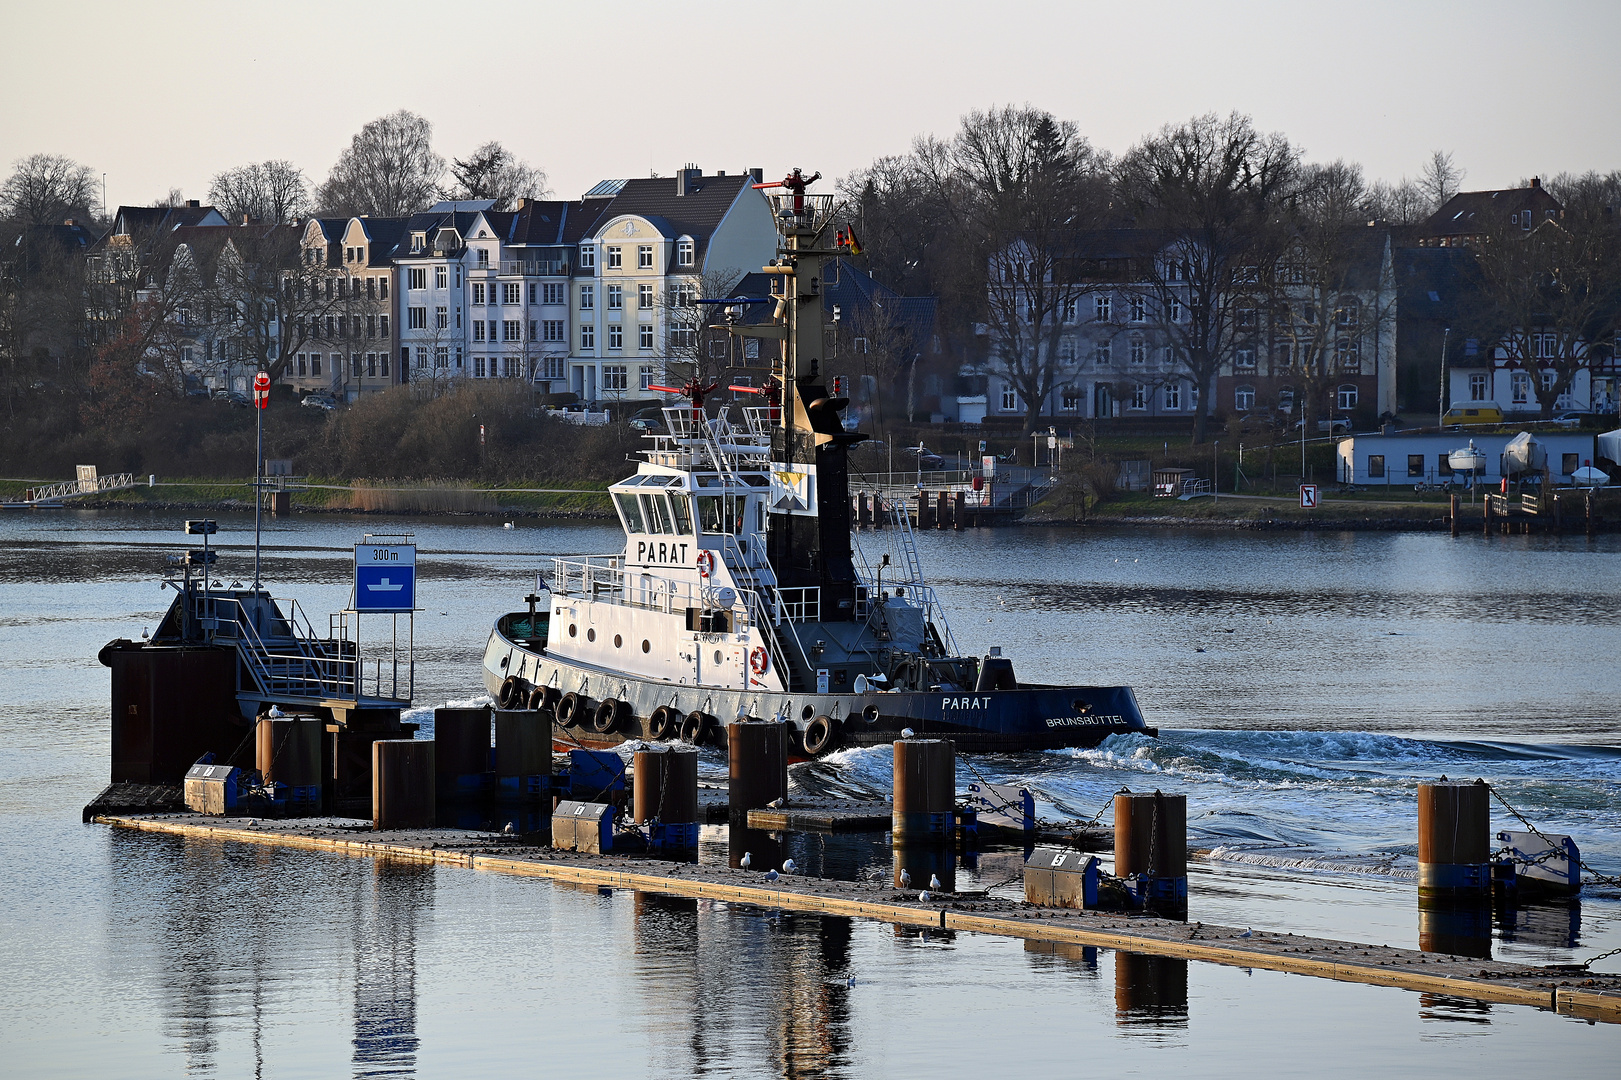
(1335, 423)
(234, 398)
(1468, 413)
(925, 457)
(649, 421)
(318, 401)
(1569, 419)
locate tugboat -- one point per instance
(739, 592)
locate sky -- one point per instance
(160, 95)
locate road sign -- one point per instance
(385, 577)
(1308, 496)
(261, 390)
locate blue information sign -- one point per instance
(385, 577)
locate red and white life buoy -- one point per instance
(759, 660)
(706, 563)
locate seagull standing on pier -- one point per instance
(747, 858)
(906, 879)
(789, 867)
(934, 881)
(771, 875)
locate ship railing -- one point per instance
(603, 579)
(796, 213)
(290, 666)
(801, 604)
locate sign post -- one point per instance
(261, 401)
(386, 584)
(1308, 496)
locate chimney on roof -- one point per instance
(70, 223)
(686, 178)
(193, 203)
(758, 175)
(246, 220)
(1536, 181)
(523, 204)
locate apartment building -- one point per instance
(342, 298)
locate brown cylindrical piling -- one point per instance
(461, 739)
(402, 784)
(1454, 829)
(1151, 835)
(757, 752)
(925, 791)
(1453, 513)
(523, 743)
(666, 786)
(1486, 525)
(942, 510)
(959, 510)
(1150, 990)
(288, 750)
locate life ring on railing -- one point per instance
(759, 660)
(706, 562)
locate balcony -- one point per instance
(540, 268)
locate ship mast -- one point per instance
(809, 529)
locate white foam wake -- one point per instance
(1372, 865)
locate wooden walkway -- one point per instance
(1593, 997)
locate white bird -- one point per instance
(747, 858)
(906, 879)
(789, 867)
(508, 525)
(924, 896)
(510, 830)
(934, 881)
(776, 804)
(907, 733)
(851, 981)
(771, 875)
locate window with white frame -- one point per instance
(686, 294)
(717, 348)
(534, 330)
(1069, 309)
(422, 359)
(551, 330)
(1286, 399)
(644, 257)
(553, 367)
(588, 256)
(1477, 386)
(615, 377)
(1066, 351)
(551, 292)
(1244, 398)
(1549, 377)
(1103, 353)
(644, 337)
(1173, 396)
(645, 378)
(416, 318)
(616, 337)
(478, 329)
(1139, 310)
(683, 253)
(439, 277)
(1139, 352)
(441, 357)
(683, 337)
(644, 297)
(512, 330)
(613, 258)
(1173, 310)
(511, 292)
(478, 367)
(441, 318)
(1010, 399)
(484, 258)
(1244, 358)
(616, 296)
(859, 345)
(1103, 307)
(1139, 397)
(533, 292)
(1070, 400)
(588, 337)
(588, 297)
(416, 278)
(478, 293)
(1520, 388)
(1348, 354)
(1345, 398)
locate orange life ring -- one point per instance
(759, 660)
(706, 563)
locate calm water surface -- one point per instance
(1304, 685)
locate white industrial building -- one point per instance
(1406, 459)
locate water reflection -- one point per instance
(1556, 923)
(923, 863)
(384, 920)
(773, 1000)
(1150, 992)
(1457, 927)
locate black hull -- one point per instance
(994, 721)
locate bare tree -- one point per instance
(1440, 179)
(272, 192)
(1323, 300)
(174, 197)
(43, 189)
(1552, 297)
(492, 172)
(1023, 185)
(692, 329)
(389, 170)
(1401, 203)
(1212, 187)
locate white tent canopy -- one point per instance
(1609, 445)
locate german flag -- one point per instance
(848, 241)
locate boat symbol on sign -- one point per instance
(383, 586)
